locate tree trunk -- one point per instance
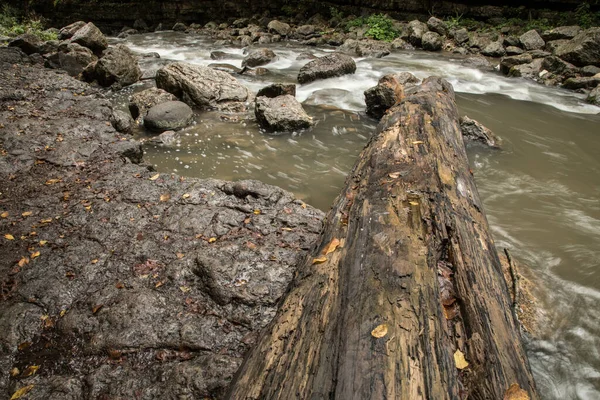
(411, 303)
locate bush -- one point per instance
(380, 27)
(11, 25)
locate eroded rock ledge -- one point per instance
(117, 281)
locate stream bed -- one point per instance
(541, 191)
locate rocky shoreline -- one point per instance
(117, 281)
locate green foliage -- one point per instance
(585, 17)
(458, 22)
(335, 13)
(380, 27)
(12, 25)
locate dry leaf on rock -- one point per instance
(332, 246)
(154, 177)
(515, 392)
(380, 331)
(459, 360)
(319, 260)
(21, 392)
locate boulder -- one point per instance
(278, 27)
(583, 49)
(514, 51)
(329, 66)
(402, 44)
(594, 96)
(438, 26)
(389, 91)
(561, 32)
(203, 86)
(431, 41)
(461, 36)
(366, 48)
(584, 82)
(91, 37)
(306, 30)
(68, 31)
(122, 121)
(219, 55)
(140, 25)
(473, 131)
(508, 62)
(167, 116)
(29, 43)
(553, 45)
(539, 54)
(141, 102)
(75, 58)
(117, 67)
(306, 56)
(179, 27)
(558, 66)
(511, 41)
(479, 40)
(590, 70)
(414, 32)
(479, 62)
(277, 89)
(531, 40)
(281, 114)
(494, 49)
(258, 57)
(530, 70)
(230, 69)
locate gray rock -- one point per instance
(479, 41)
(511, 41)
(402, 44)
(122, 121)
(167, 138)
(306, 56)
(539, 53)
(558, 66)
(130, 149)
(278, 27)
(530, 70)
(431, 41)
(508, 62)
(514, 51)
(461, 36)
(219, 55)
(29, 43)
(277, 89)
(203, 86)
(437, 25)
(91, 37)
(179, 27)
(389, 91)
(554, 44)
(479, 62)
(141, 102)
(75, 59)
(590, 70)
(494, 49)
(306, 30)
(584, 82)
(168, 116)
(531, 40)
(594, 96)
(414, 32)
(329, 66)
(281, 114)
(259, 57)
(240, 23)
(13, 55)
(583, 49)
(561, 32)
(230, 69)
(140, 25)
(117, 67)
(473, 131)
(366, 48)
(68, 31)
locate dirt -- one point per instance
(118, 282)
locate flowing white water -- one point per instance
(541, 192)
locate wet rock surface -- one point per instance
(117, 281)
(475, 132)
(389, 91)
(117, 67)
(329, 66)
(168, 116)
(281, 114)
(258, 57)
(141, 102)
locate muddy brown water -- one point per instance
(541, 191)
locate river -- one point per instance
(541, 191)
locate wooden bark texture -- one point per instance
(415, 260)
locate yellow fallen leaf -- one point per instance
(418, 142)
(515, 392)
(184, 289)
(394, 175)
(14, 372)
(52, 181)
(4, 214)
(8, 236)
(158, 284)
(413, 203)
(32, 369)
(256, 212)
(180, 255)
(46, 221)
(154, 177)
(303, 205)
(459, 360)
(330, 248)
(319, 260)
(26, 213)
(212, 240)
(43, 242)
(35, 255)
(165, 197)
(97, 308)
(286, 229)
(23, 261)
(186, 195)
(21, 392)
(380, 331)
(62, 313)
(94, 261)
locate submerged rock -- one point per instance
(277, 89)
(389, 91)
(171, 115)
(141, 102)
(473, 131)
(281, 114)
(329, 66)
(203, 86)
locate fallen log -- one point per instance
(403, 297)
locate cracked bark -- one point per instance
(416, 255)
